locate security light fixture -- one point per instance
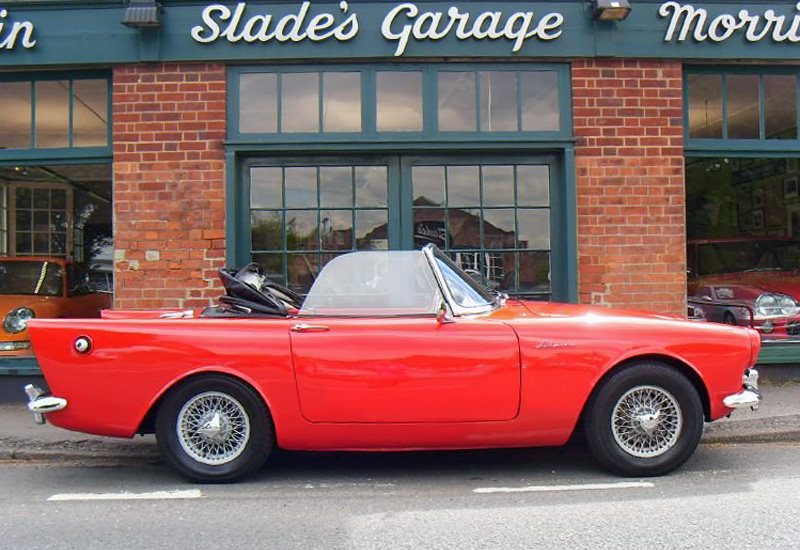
(141, 14)
(611, 10)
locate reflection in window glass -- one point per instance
(498, 185)
(90, 113)
(266, 187)
(534, 272)
(780, 106)
(301, 230)
(266, 229)
(301, 187)
(457, 102)
(463, 185)
(533, 185)
(498, 228)
(534, 228)
(300, 102)
(15, 115)
(258, 103)
(429, 184)
(301, 270)
(371, 230)
(341, 102)
(705, 106)
(371, 185)
(52, 114)
(336, 227)
(336, 186)
(399, 98)
(429, 227)
(540, 101)
(743, 112)
(464, 227)
(272, 264)
(498, 101)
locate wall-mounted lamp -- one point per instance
(611, 10)
(141, 14)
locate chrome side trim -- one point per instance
(39, 404)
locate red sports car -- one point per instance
(392, 351)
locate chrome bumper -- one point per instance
(39, 404)
(749, 396)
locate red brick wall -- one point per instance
(169, 184)
(630, 183)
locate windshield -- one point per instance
(466, 292)
(374, 283)
(40, 278)
(739, 257)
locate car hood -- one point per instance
(517, 309)
(13, 301)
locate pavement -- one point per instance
(777, 420)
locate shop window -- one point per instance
(50, 113)
(399, 96)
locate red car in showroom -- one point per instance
(392, 350)
(750, 282)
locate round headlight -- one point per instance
(788, 305)
(17, 319)
(767, 305)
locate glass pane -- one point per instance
(371, 185)
(399, 101)
(41, 221)
(272, 264)
(465, 228)
(265, 187)
(58, 244)
(540, 101)
(705, 106)
(336, 186)
(258, 103)
(743, 115)
(341, 102)
(58, 199)
(24, 198)
(498, 185)
(302, 269)
(428, 183)
(41, 198)
(337, 229)
(499, 269)
(372, 230)
(498, 228)
(301, 187)
(24, 220)
(52, 114)
(300, 102)
(15, 115)
(266, 229)
(463, 186)
(41, 244)
(534, 229)
(429, 227)
(24, 243)
(533, 185)
(457, 111)
(498, 101)
(90, 113)
(534, 272)
(301, 230)
(58, 221)
(780, 106)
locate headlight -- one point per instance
(17, 319)
(788, 305)
(777, 305)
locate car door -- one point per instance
(406, 369)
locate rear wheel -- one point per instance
(645, 420)
(214, 429)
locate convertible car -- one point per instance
(391, 351)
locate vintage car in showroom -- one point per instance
(391, 350)
(752, 282)
(41, 287)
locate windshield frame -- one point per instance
(434, 255)
(43, 264)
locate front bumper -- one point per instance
(749, 396)
(39, 404)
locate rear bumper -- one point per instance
(749, 396)
(39, 403)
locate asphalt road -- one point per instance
(727, 496)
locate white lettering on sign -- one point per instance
(220, 22)
(20, 30)
(686, 21)
(405, 21)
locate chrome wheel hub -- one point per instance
(646, 421)
(213, 428)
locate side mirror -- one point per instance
(443, 316)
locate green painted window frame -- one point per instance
(369, 133)
(60, 154)
(743, 147)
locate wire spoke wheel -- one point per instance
(646, 421)
(213, 428)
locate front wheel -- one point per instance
(645, 420)
(214, 429)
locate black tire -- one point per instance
(616, 448)
(214, 403)
(729, 319)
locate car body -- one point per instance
(42, 287)
(393, 351)
(749, 282)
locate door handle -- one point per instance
(302, 327)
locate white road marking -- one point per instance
(157, 495)
(554, 488)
